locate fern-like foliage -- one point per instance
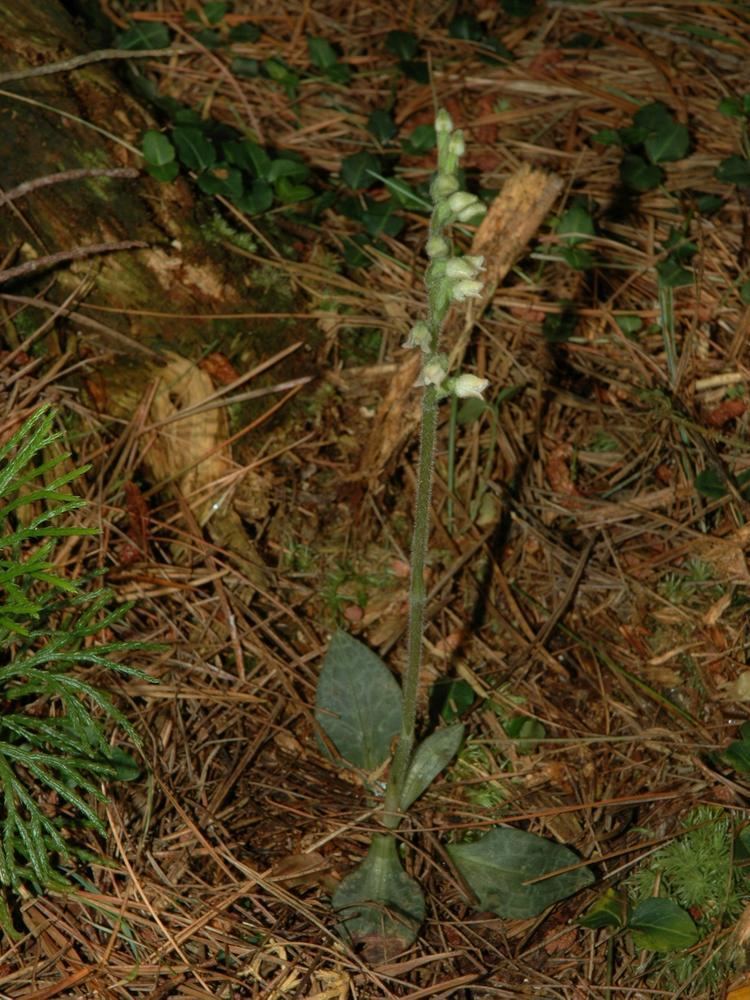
(54, 754)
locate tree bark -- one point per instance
(84, 120)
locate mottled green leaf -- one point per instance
(430, 757)
(502, 866)
(382, 908)
(358, 702)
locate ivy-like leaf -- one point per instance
(661, 925)
(358, 702)
(503, 865)
(381, 906)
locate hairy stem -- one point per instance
(417, 601)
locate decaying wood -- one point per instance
(502, 238)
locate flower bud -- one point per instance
(444, 185)
(469, 386)
(443, 121)
(437, 246)
(460, 201)
(457, 146)
(468, 288)
(472, 213)
(419, 336)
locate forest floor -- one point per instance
(588, 586)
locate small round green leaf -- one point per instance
(402, 44)
(381, 125)
(157, 149)
(670, 143)
(166, 173)
(195, 150)
(734, 170)
(258, 199)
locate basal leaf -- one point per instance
(358, 702)
(662, 925)
(382, 908)
(430, 757)
(501, 867)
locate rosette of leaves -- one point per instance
(54, 751)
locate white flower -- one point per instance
(469, 386)
(464, 267)
(433, 372)
(468, 288)
(460, 201)
(419, 336)
(473, 212)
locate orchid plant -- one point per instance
(360, 707)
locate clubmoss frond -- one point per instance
(51, 765)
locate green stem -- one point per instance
(417, 602)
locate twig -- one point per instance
(62, 178)
(66, 65)
(84, 321)
(50, 260)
